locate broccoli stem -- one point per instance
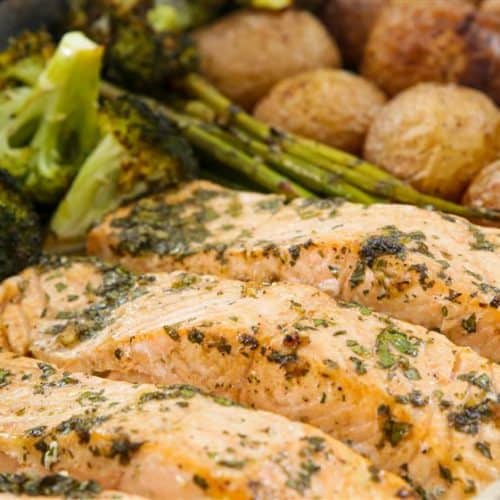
(93, 192)
(203, 136)
(72, 80)
(359, 173)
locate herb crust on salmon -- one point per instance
(424, 267)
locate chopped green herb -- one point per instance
(480, 380)
(358, 275)
(392, 337)
(484, 448)
(232, 464)
(59, 485)
(359, 365)
(445, 473)
(200, 482)
(470, 324)
(172, 332)
(60, 286)
(5, 376)
(356, 348)
(411, 374)
(394, 431)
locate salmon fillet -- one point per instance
(406, 397)
(424, 267)
(171, 442)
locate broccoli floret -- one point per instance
(20, 234)
(47, 130)
(25, 58)
(266, 4)
(143, 49)
(176, 16)
(140, 152)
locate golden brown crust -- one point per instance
(332, 106)
(245, 53)
(490, 6)
(482, 70)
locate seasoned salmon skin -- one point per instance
(170, 442)
(404, 396)
(424, 267)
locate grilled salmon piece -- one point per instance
(404, 396)
(171, 442)
(424, 267)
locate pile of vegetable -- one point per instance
(116, 108)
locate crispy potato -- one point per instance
(435, 136)
(331, 106)
(484, 190)
(417, 41)
(245, 53)
(350, 22)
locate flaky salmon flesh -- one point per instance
(406, 397)
(171, 442)
(424, 267)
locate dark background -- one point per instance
(18, 15)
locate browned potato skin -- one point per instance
(484, 190)
(415, 41)
(245, 53)
(483, 51)
(332, 106)
(490, 6)
(350, 22)
(435, 136)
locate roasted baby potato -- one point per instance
(331, 106)
(350, 22)
(484, 190)
(439, 41)
(483, 55)
(435, 136)
(417, 41)
(245, 53)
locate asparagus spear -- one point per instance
(208, 140)
(203, 137)
(353, 170)
(307, 174)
